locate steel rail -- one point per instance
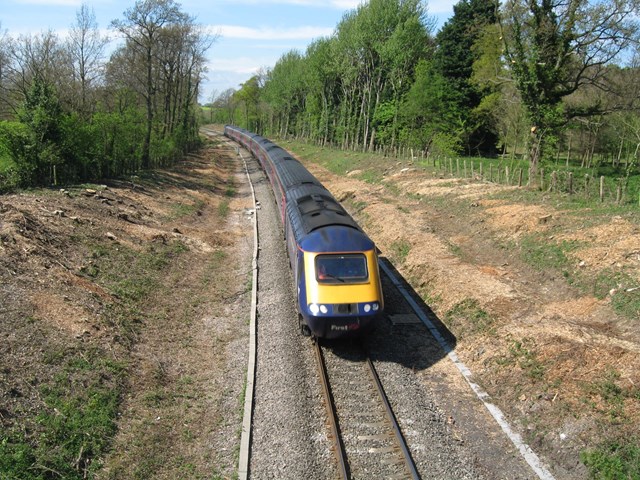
(339, 449)
(409, 463)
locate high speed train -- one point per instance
(334, 263)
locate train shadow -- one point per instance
(400, 336)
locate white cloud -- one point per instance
(271, 33)
(240, 65)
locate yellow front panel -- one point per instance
(340, 292)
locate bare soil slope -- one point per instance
(133, 297)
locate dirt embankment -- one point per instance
(528, 290)
(126, 305)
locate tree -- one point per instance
(86, 47)
(4, 64)
(141, 28)
(429, 112)
(249, 98)
(42, 114)
(454, 59)
(40, 56)
(555, 47)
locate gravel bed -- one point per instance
(289, 437)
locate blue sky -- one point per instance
(253, 34)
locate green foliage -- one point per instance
(42, 116)
(614, 460)
(430, 112)
(74, 427)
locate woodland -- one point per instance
(68, 115)
(542, 81)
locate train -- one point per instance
(334, 263)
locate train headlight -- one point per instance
(314, 308)
(376, 307)
(324, 309)
(367, 308)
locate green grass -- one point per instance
(224, 209)
(400, 251)
(544, 253)
(468, 318)
(626, 291)
(75, 425)
(523, 354)
(614, 460)
(180, 210)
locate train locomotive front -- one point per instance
(334, 262)
(335, 267)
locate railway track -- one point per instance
(366, 437)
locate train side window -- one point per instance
(348, 268)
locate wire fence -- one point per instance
(574, 182)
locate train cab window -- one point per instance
(348, 268)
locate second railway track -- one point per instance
(367, 439)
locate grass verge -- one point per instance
(69, 430)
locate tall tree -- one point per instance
(86, 47)
(554, 48)
(41, 56)
(454, 59)
(141, 27)
(4, 66)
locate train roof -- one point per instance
(311, 206)
(292, 173)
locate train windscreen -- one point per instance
(348, 268)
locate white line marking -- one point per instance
(529, 455)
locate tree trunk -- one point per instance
(535, 148)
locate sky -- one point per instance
(251, 34)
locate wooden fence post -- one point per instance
(520, 178)
(586, 185)
(602, 188)
(619, 192)
(570, 181)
